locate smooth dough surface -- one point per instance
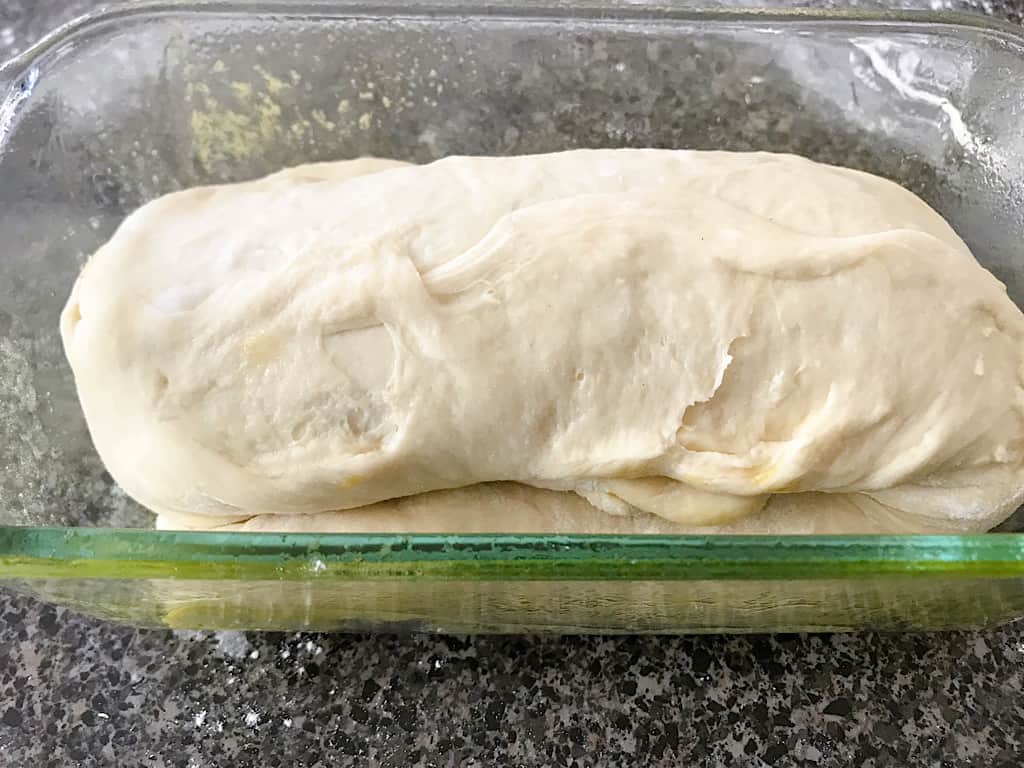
(689, 340)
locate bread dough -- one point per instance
(676, 333)
(517, 508)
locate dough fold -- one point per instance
(703, 341)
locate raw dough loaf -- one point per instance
(688, 334)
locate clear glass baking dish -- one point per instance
(129, 103)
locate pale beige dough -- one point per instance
(516, 508)
(700, 341)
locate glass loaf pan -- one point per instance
(129, 103)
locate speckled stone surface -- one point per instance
(79, 692)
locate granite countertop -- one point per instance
(76, 691)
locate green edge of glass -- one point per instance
(34, 553)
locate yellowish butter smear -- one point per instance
(589, 341)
